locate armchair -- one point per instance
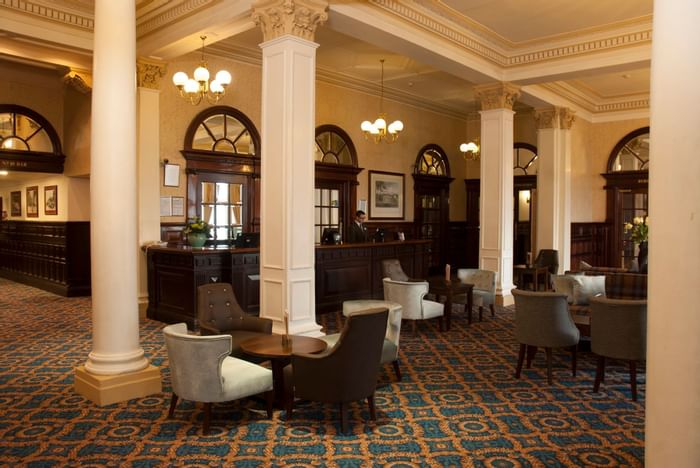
(218, 313)
(411, 296)
(346, 372)
(542, 319)
(391, 268)
(202, 370)
(484, 291)
(618, 331)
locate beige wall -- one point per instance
(76, 140)
(73, 197)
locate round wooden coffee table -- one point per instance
(272, 347)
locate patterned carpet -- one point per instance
(458, 405)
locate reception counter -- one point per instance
(343, 272)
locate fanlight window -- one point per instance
(631, 153)
(524, 159)
(19, 132)
(333, 146)
(224, 134)
(432, 161)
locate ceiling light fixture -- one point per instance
(379, 130)
(197, 88)
(471, 151)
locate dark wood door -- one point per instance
(627, 198)
(432, 211)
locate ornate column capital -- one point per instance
(149, 72)
(296, 17)
(554, 117)
(500, 95)
(79, 80)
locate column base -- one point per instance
(506, 300)
(107, 389)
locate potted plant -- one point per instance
(197, 231)
(639, 234)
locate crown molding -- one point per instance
(619, 107)
(47, 11)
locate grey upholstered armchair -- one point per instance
(484, 291)
(344, 373)
(390, 347)
(411, 296)
(202, 370)
(618, 331)
(391, 268)
(218, 313)
(542, 319)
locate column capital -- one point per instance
(149, 72)
(75, 80)
(296, 17)
(500, 95)
(554, 117)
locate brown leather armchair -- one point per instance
(346, 372)
(218, 313)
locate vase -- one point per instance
(196, 239)
(642, 256)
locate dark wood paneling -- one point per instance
(589, 243)
(54, 256)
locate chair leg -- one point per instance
(521, 358)
(493, 310)
(633, 379)
(531, 351)
(173, 404)
(289, 406)
(269, 398)
(343, 417)
(413, 327)
(573, 360)
(442, 323)
(372, 411)
(481, 313)
(397, 370)
(207, 417)
(599, 373)
(469, 314)
(549, 364)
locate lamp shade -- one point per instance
(201, 74)
(180, 78)
(223, 77)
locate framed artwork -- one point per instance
(51, 200)
(166, 206)
(178, 205)
(33, 202)
(171, 177)
(16, 203)
(386, 195)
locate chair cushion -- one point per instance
(432, 309)
(242, 378)
(564, 284)
(585, 287)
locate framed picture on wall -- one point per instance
(33, 202)
(386, 195)
(51, 200)
(171, 175)
(16, 203)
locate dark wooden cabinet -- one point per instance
(54, 256)
(343, 272)
(432, 212)
(589, 243)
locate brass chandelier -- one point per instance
(199, 88)
(378, 130)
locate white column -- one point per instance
(554, 182)
(496, 196)
(114, 216)
(149, 77)
(672, 435)
(287, 248)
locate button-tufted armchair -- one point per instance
(219, 313)
(484, 291)
(411, 296)
(202, 370)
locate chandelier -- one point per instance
(470, 151)
(379, 130)
(197, 88)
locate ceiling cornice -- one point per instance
(46, 11)
(596, 104)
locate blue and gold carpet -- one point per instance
(458, 405)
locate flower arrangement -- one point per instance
(197, 226)
(638, 229)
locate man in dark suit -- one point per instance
(358, 232)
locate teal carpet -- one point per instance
(458, 405)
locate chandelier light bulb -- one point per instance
(191, 87)
(215, 87)
(380, 124)
(366, 126)
(180, 78)
(374, 130)
(201, 73)
(223, 77)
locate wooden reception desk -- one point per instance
(343, 272)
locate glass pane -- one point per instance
(234, 128)
(208, 213)
(317, 215)
(330, 158)
(324, 141)
(236, 217)
(317, 236)
(337, 143)
(14, 143)
(325, 216)
(335, 201)
(344, 157)
(334, 216)
(215, 124)
(634, 156)
(224, 146)
(317, 197)
(235, 231)
(221, 192)
(318, 154)
(244, 144)
(325, 197)
(222, 215)
(208, 192)
(6, 127)
(221, 232)
(236, 191)
(40, 141)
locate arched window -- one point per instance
(524, 159)
(432, 160)
(223, 171)
(28, 142)
(336, 180)
(631, 153)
